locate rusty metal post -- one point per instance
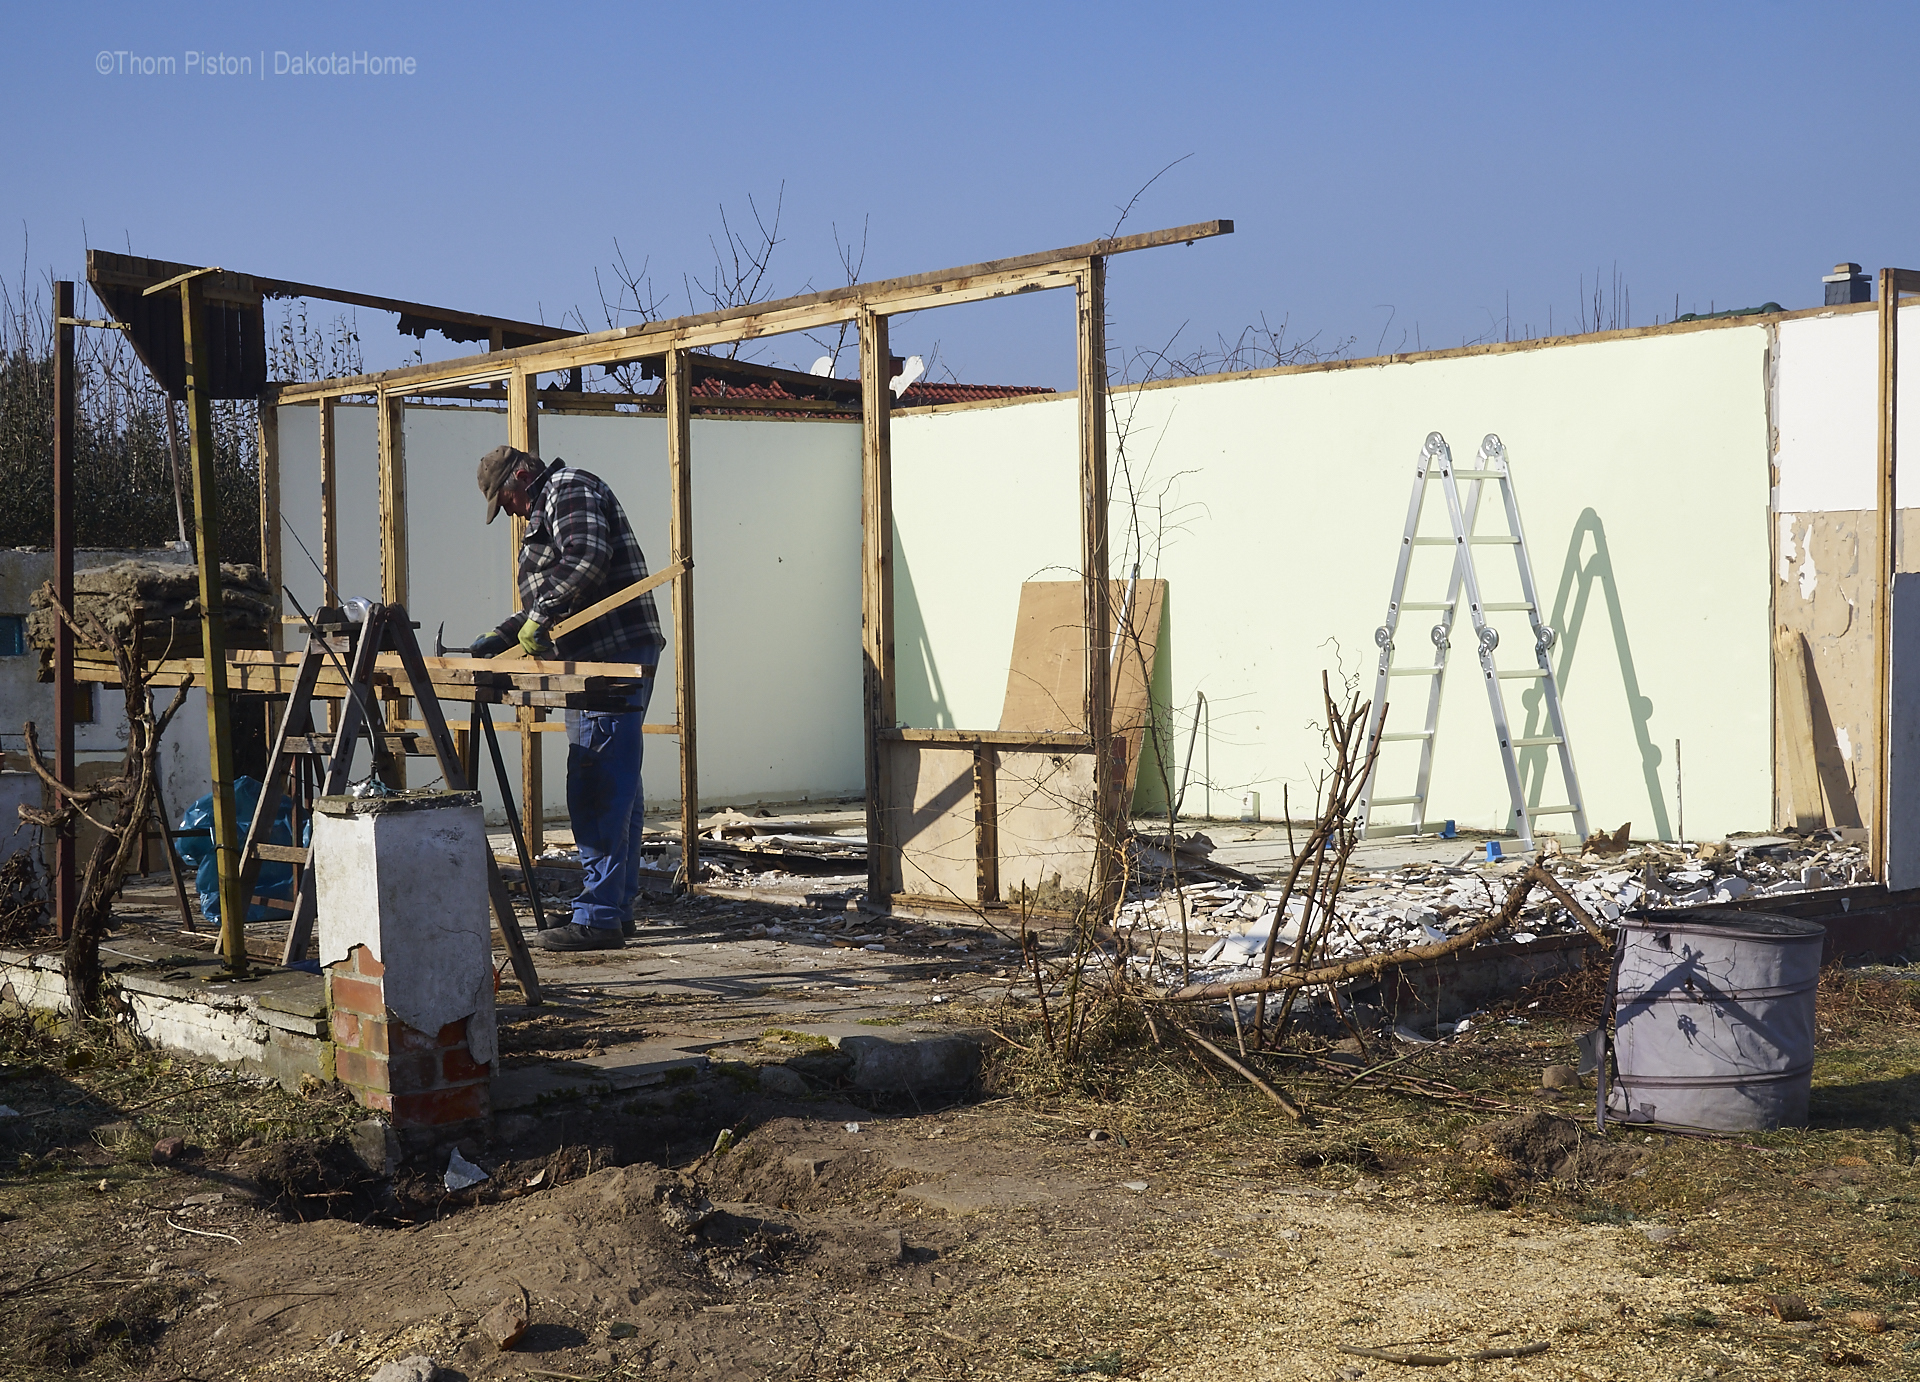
(206, 523)
(65, 881)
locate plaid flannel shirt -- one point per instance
(579, 549)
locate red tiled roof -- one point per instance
(923, 393)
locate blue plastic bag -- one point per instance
(276, 879)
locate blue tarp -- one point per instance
(276, 879)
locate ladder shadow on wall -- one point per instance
(916, 672)
(1578, 580)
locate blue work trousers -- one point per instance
(607, 806)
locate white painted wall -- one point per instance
(777, 586)
(1827, 383)
(1274, 507)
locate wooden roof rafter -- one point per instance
(651, 340)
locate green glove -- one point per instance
(533, 639)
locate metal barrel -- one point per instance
(1713, 1019)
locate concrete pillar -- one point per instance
(406, 944)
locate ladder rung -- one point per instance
(1552, 810)
(1401, 738)
(1510, 607)
(1479, 474)
(1434, 542)
(1522, 674)
(1393, 801)
(1377, 832)
(1413, 672)
(1428, 604)
(1494, 541)
(1536, 740)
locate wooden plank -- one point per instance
(594, 611)
(876, 597)
(533, 814)
(1049, 740)
(329, 501)
(391, 429)
(1796, 728)
(523, 433)
(1090, 317)
(993, 278)
(284, 854)
(679, 387)
(270, 542)
(986, 826)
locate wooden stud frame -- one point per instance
(1894, 284)
(270, 560)
(867, 305)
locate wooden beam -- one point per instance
(986, 825)
(606, 606)
(523, 432)
(1894, 283)
(329, 502)
(66, 895)
(1090, 309)
(1030, 742)
(270, 544)
(213, 633)
(394, 562)
(679, 383)
(876, 595)
(972, 283)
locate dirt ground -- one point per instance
(1150, 1216)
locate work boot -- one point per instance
(628, 928)
(574, 936)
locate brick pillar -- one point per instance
(425, 1081)
(406, 941)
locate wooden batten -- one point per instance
(270, 557)
(329, 501)
(1090, 308)
(679, 381)
(876, 594)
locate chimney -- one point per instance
(1847, 284)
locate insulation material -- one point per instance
(165, 596)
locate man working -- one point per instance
(579, 549)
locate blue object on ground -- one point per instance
(1447, 831)
(276, 879)
(1493, 850)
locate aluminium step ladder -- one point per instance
(1490, 469)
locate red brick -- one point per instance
(379, 1100)
(346, 1028)
(410, 1071)
(359, 1068)
(405, 1038)
(366, 964)
(453, 1034)
(439, 1106)
(373, 1035)
(458, 1064)
(364, 996)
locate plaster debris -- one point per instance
(461, 1173)
(1229, 924)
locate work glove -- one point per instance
(533, 639)
(492, 643)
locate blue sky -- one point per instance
(1400, 175)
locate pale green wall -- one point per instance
(1274, 506)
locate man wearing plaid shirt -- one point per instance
(579, 549)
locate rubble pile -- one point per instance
(1423, 902)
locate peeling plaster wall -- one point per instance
(1825, 400)
(1274, 506)
(777, 591)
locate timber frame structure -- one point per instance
(670, 349)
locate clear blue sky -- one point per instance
(1401, 175)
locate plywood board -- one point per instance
(1046, 679)
(931, 815)
(1046, 825)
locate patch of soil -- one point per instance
(1543, 1146)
